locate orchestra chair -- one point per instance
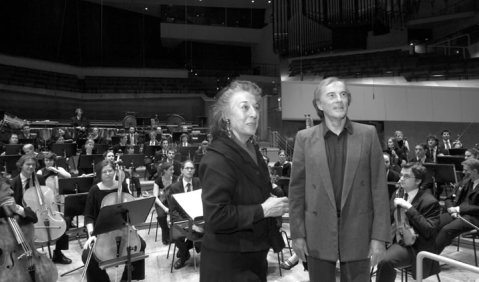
(407, 270)
(180, 229)
(473, 234)
(153, 212)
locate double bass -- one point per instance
(19, 261)
(50, 225)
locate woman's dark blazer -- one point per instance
(234, 187)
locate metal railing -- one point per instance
(421, 255)
(281, 142)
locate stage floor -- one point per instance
(158, 267)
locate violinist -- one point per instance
(419, 217)
(93, 204)
(465, 203)
(27, 165)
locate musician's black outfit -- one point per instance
(92, 210)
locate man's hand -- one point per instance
(402, 203)
(453, 210)
(376, 251)
(300, 248)
(274, 207)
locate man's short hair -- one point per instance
(318, 92)
(445, 130)
(472, 164)
(423, 145)
(417, 169)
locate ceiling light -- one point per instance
(146, 8)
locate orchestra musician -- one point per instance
(93, 205)
(132, 136)
(283, 163)
(464, 202)
(13, 139)
(27, 164)
(422, 212)
(239, 211)
(165, 178)
(80, 124)
(8, 202)
(186, 183)
(184, 140)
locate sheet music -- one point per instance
(191, 203)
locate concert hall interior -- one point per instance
(89, 86)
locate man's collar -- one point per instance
(348, 126)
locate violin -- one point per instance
(50, 225)
(401, 230)
(19, 261)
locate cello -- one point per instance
(117, 243)
(19, 261)
(50, 225)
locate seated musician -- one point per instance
(123, 143)
(27, 164)
(93, 205)
(88, 149)
(132, 177)
(161, 156)
(9, 208)
(284, 163)
(95, 136)
(170, 159)
(201, 151)
(152, 139)
(13, 139)
(471, 153)
(28, 135)
(184, 140)
(422, 212)
(132, 136)
(186, 183)
(108, 155)
(461, 206)
(165, 178)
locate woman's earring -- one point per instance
(228, 128)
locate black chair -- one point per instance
(181, 229)
(473, 234)
(407, 270)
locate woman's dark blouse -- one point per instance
(93, 202)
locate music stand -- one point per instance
(9, 162)
(89, 161)
(117, 216)
(187, 153)
(151, 150)
(65, 149)
(74, 185)
(442, 173)
(457, 151)
(100, 148)
(134, 160)
(27, 141)
(455, 160)
(13, 149)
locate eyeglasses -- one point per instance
(407, 176)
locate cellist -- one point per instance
(416, 213)
(27, 164)
(94, 200)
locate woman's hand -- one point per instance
(274, 206)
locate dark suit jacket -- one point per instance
(468, 202)
(423, 216)
(392, 176)
(176, 212)
(364, 202)
(16, 185)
